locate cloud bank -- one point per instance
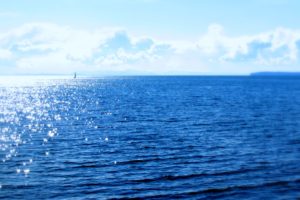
(277, 47)
(44, 48)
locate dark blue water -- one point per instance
(150, 137)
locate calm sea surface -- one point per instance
(150, 137)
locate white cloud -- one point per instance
(269, 48)
(5, 54)
(50, 48)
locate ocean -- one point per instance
(150, 137)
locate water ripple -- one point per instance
(150, 137)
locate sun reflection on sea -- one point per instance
(26, 116)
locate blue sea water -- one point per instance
(150, 137)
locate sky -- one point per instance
(149, 37)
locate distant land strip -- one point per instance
(275, 74)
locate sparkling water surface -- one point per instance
(150, 137)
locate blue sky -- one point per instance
(149, 36)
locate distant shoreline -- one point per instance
(270, 73)
(275, 74)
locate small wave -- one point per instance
(191, 176)
(217, 190)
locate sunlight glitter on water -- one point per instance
(17, 81)
(25, 116)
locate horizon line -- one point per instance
(111, 74)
